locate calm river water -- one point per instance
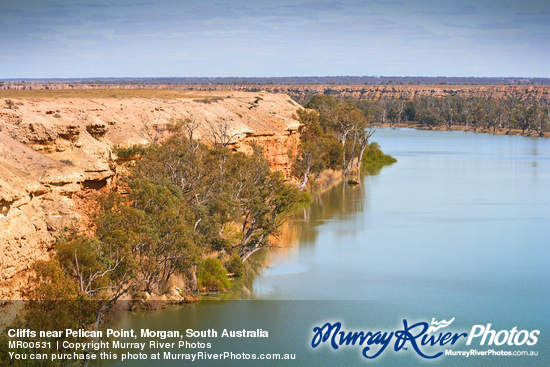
(458, 228)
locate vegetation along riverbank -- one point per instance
(181, 214)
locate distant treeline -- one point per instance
(298, 80)
(528, 116)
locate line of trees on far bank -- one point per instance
(529, 116)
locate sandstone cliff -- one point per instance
(407, 92)
(303, 92)
(52, 148)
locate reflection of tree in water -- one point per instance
(337, 204)
(372, 169)
(242, 287)
(254, 267)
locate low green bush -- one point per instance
(373, 154)
(131, 152)
(212, 276)
(235, 265)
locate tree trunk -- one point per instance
(305, 180)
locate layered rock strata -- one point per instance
(53, 148)
(302, 92)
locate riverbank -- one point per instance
(409, 125)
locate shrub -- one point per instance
(212, 276)
(373, 154)
(235, 265)
(9, 103)
(136, 150)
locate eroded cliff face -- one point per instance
(304, 92)
(53, 148)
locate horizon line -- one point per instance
(100, 78)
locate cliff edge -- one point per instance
(53, 147)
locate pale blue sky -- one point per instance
(170, 38)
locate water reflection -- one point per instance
(458, 228)
(336, 204)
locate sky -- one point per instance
(243, 38)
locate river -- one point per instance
(458, 228)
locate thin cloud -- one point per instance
(95, 37)
(495, 26)
(533, 14)
(464, 10)
(13, 12)
(57, 14)
(321, 5)
(213, 12)
(380, 2)
(307, 10)
(544, 20)
(106, 5)
(89, 56)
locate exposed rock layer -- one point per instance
(51, 148)
(302, 92)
